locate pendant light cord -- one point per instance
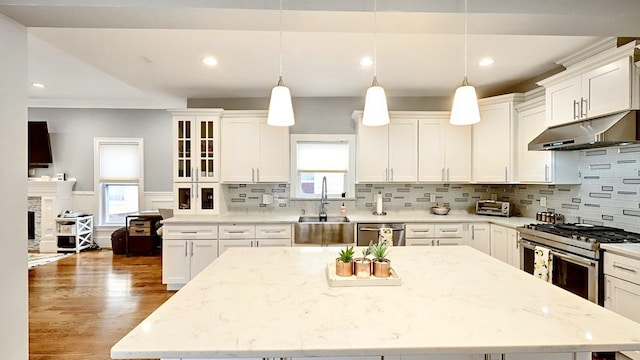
(280, 28)
(375, 43)
(465, 42)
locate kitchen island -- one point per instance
(276, 302)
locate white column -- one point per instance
(14, 336)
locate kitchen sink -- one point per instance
(314, 230)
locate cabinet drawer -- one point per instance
(139, 231)
(622, 267)
(420, 231)
(189, 232)
(448, 230)
(140, 224)
(282, 231)
(237, 231)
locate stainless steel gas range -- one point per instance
(577, 258)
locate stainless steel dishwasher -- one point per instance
(368, 233)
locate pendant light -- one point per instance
(465, 101)
(375, 112)
(280, 107)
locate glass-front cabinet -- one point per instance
(196, 160)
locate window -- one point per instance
(317, 156)
(118, 178)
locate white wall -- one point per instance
(14, 336)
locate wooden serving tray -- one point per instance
(337, 281)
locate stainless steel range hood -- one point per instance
(610, 130)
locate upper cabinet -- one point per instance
(557, 167)
(387, 153)
(196, 145)
(493, 145)
(603, 84)
(444, 150)
(252, 150)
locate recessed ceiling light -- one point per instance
(209, 60)
(486, 62)
(366, 61)
(38, 85)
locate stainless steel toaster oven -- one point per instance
(494, 207)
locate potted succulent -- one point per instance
(344, 262)
(363, 265)
(381, 265)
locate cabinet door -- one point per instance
(175, 262)
(563, 102)
(431, 150)
(499, 243)
(184, 135)
(207, 148)
(457, 153)
(224, 245)
(203, 253)
(206, 197)
(240, 146)
(184, 198)
(492, 144)
(403, 150)
(372, 156)
(480, 238)
(273, 242)
(607, 89)
(418, 231)
(533, 166)
(622, 297)
(273, 154)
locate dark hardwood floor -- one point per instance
(83, 304)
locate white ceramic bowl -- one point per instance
(440, 210)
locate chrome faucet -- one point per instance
(324, 201)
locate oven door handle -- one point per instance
(378, 229)
(527, 244)
(572, 258)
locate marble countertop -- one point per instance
(276, 302)
(632, 250)
(406, 217)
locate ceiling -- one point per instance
(146, 53)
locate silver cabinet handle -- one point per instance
(624, 268)
(607, 290)
(421, 231)
(391, 174)
(438, 242)
(546, 172)
(576, 111)
(471, 229)
(583, 107)
(197, 173)
(197, 190)
(386, 174)
(506, 174)
(443, 177)
(236, 232)
(185, 249)
(188, 232)
(192, 249)
(253, 175)
(273, 231)
(257, 174)
(447, 174)
(192, 173)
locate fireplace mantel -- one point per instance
(36, 187)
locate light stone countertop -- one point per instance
(359, 217)
(276, 302)
(631, 250)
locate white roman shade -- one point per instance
(323, 157)
(119, 162)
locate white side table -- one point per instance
(74, 233)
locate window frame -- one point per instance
(100, 185)
(350, 175)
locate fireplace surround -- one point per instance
(54, 196)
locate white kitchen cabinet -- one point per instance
(556, 167)
(504, 244)
(187, 250)
(196, 198)
(622, 285)
(480, 237)
(196, 160)
(253, 151)
(254, 235)
(444, 150)
(493, 139)
(428, 234)
(603, 90)
(387, 153)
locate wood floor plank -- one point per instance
(81, 305)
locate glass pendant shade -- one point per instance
(465, 106)
(280, 107)
(375, 112)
